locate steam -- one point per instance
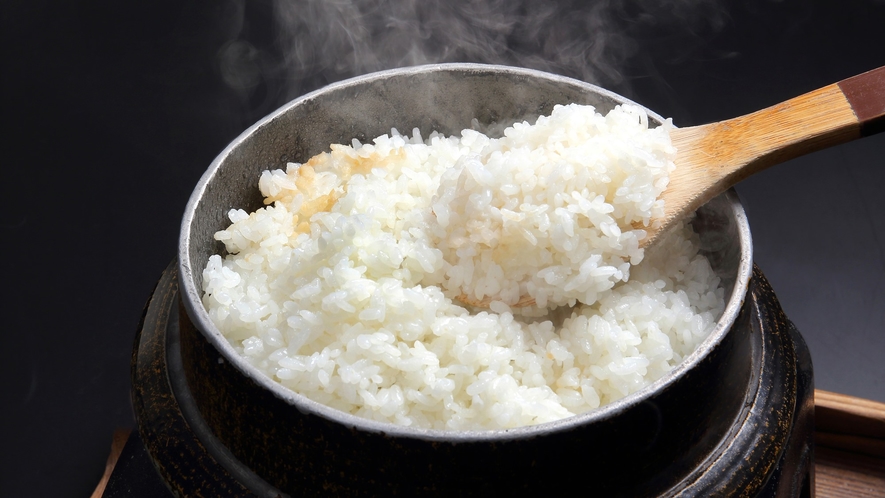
(306, 44)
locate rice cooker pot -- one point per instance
(721, 421)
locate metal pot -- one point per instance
(721, 420)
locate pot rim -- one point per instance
(192, 297)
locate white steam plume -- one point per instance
(315, 42)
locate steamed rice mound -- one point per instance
(342, 288)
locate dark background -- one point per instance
(113, 110)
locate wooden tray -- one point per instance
(849, 447)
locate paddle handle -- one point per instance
(731, 150)
(713, 157)
(834, 114)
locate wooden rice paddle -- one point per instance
(713, 157)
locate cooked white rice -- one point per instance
(342, 288)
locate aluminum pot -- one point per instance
(666, 438)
